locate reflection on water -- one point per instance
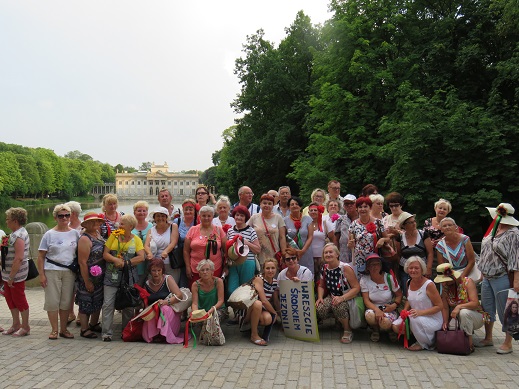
(43, 213)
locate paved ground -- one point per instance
(36, 362)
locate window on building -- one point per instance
(133, 182)
(175, 183)
(181, 192)
(126, 182)
(120, 182)
(138, 182)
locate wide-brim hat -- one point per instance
(199, 315)
(91, 216)
(238, 252)
(445, 271)
(147, 313)
(161, 210)
(404, 216)
(505, 210)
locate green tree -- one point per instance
(145, 166)
(10, 176)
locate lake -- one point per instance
(43, 213)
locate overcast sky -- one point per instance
(130, 81)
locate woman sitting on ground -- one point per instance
(340, 282)
(460, 300)
(160, 286)
(424, 305)
(382, 296)
(208, 290)
(262, 312)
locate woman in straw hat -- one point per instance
(89, 295)
(460, 301)
(499, 264)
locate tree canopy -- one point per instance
(419, 97)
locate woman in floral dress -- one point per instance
(367, 234)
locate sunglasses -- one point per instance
(63, 216)
(288, 259)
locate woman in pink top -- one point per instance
(204, 241)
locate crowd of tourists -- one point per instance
(366, 246)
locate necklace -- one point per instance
(159, 283)
(369, 220)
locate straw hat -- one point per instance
(505, 210)
(199, 315)
(147, 313)
(404, 216)
(238, 251)
(91, 216)
(445, 272)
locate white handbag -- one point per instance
(184, 303)
(243, 297)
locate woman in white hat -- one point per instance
(164, 235)
(499, 264)
(460, 301)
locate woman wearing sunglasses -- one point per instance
(294, 271)
(56, 257)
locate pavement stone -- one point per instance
(37, 362)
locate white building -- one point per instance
(146, 185)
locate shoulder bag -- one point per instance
(212, 334)
(453, 341)
(176, 256)
(127, 295)
(185, 303)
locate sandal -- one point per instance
(90, 335)
(259, 342)
(416, 347)
(347, 337)
(66, 335)
(95, 327)
(53, 335)
(78, 322)
(10, 331)
(22, 332)
(71, 318)
(375, 336)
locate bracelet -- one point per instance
(169, 302)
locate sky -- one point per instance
(130, 81)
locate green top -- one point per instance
(207, 300)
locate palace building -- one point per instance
(147, 184)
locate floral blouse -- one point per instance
(364, 240)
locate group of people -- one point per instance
(348, 246)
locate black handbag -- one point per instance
(176, 257)
(33, 270)
(127, 295)
(454, 342)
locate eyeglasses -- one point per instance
(335, 187)
(248, 193)
(63, 215)
(394, 205)
(288, 259)
(348, 204)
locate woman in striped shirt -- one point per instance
(262, 312)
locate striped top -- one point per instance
(21, 275)
(268, 287)
(456, 256)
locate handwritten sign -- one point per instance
(298, 315)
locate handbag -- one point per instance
(454, 342)
(356, 309)
(243, 296)
(475, 273)
(133, 331)
(33, 270)
(212, 334)
(176, 256)
(185, 303)
(127, 295)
